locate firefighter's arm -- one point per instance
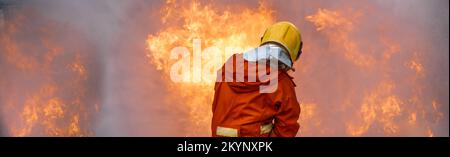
(285, 121)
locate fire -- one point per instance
(365, 70)
(384, 109)
(380, 107)
(220, 27)
(415, 65)
(375, 105)
(309, 121)
(42, 111)
(43, 84)
(338, 28)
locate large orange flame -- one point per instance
(185, 21)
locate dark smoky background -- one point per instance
(129, 92)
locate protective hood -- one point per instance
(268, 51)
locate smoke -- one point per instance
(132, 97)
(46, 89)
(337, 80)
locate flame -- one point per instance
(415, 65)
(308, 120)
(363, 72)
(380, 109)
(384, 109)
(185, 21)
(339, 28)
(46, 83)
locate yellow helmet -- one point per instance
(287, 35)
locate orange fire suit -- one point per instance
(239, 109)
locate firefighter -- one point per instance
(240, 109)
